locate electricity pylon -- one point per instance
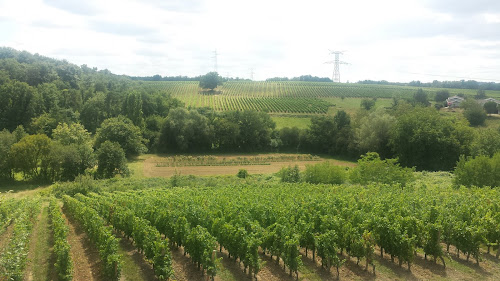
(336, 65)
(215, 60)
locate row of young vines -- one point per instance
(323, 220)
(14, 256)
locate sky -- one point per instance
(393, 40)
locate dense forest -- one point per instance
(58, 120)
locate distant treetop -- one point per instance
(306, 78)
(462, 84)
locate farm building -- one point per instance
(482, 102)
(454, 101)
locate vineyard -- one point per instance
(211, 160)
(294, 226)
(15, 251)
(283, 97)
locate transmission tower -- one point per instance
(251, 74)
(336, 65)
(215, 60)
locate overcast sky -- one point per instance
(393, 40)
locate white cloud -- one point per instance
(387, 39)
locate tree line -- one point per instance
(460, 84)
(307, 78)
(58, 120)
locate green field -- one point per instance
(301, 122)
(289, 97)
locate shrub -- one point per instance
(242, 173)
(473, 112)
(441, 95)
(325, 172)
(289, 174)
(83, 184)
(491, 107)
(373, 169)
(175, 180)
(367, 104)
(479, 171)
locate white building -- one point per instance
(454, 101)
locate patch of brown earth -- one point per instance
(85, 256)
(143, 270)
(184, 269)
(150, 168)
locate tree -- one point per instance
(420, 98)
(486, 142)
(473, 112)
(367, 104)
(442, 95)
(64, 162)
(290, 138)
(481, 94)
(151, 132)
(94, 112)
(428, 141)
(71, 134)
(122, 131)
(255, 129)
(16, 105)
(226, 134)
(491, 107)
(7, 139)
(210, 81)
(111, 160)
(374, 133)
(132, 109)
(43, 124)
(28, 155)
(185, 130)
(328, 134)
(77, 139)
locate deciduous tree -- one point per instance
(210, 81)
(111, 160)
(122, 131)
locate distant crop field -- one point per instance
(286, 97)
(291, 121)
(209, 165)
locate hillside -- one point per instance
(251, 235)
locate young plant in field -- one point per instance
(64, 263)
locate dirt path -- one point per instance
(41, 258)
(86, 261)
(135, 268)
(231, 270)
(184, 269)
(270, 270)
(273, 271)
